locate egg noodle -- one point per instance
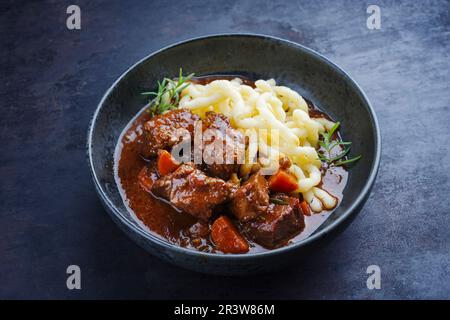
(277, 123)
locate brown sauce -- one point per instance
(180, 228)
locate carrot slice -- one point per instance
(305, 208)
(166, 163)
(226, 237)
(282, 182)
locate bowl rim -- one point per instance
(360, 199)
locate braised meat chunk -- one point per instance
(164, 131)
(190, 190)
(223, 146)
(279, 223)
(251, 199)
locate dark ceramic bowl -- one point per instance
(291, 64)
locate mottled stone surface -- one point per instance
(53, 78)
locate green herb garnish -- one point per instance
(328, 143)
(278, 201)
(168, 95)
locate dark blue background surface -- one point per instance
(53, 78)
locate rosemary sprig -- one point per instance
(168, 95)
(278, 201)
(328, 144)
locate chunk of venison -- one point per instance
(278, 224)
(192, 191)
(251, 199)
(223, 146)
(165, 130)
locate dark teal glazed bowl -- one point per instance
(257, 56)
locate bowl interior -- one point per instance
(257, 57)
